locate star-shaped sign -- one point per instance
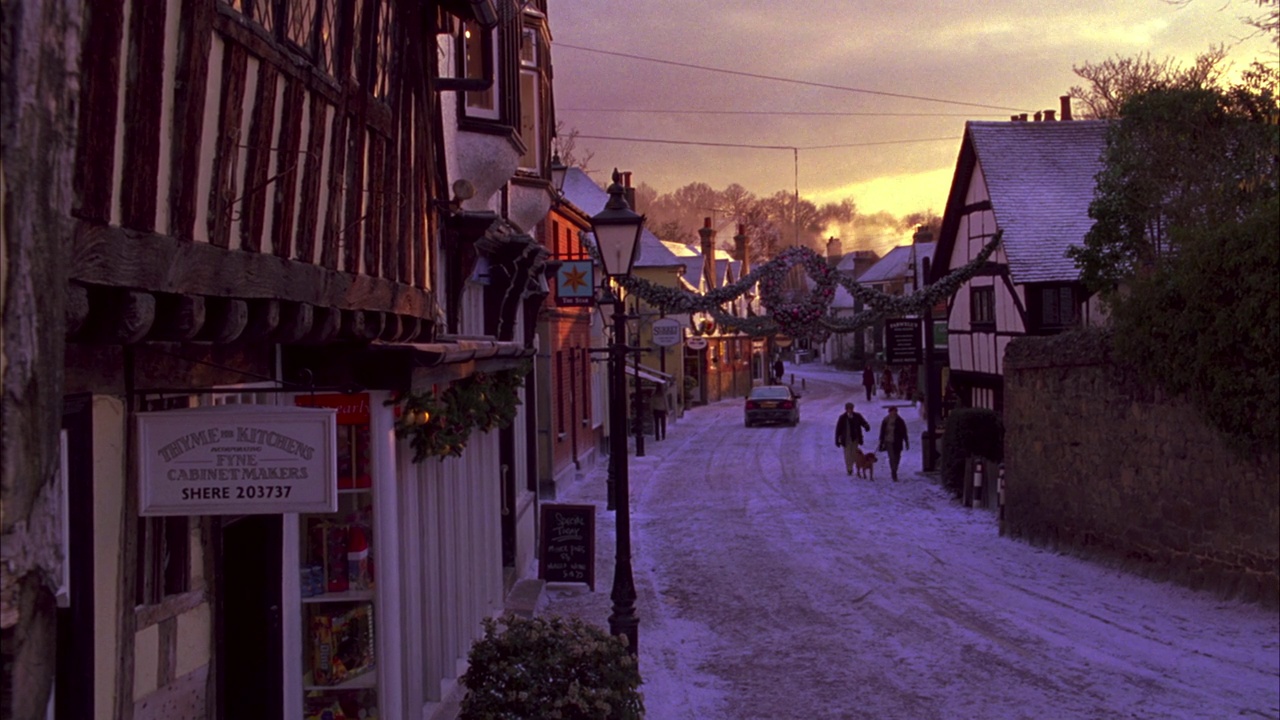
(574, 278)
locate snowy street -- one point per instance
(773, 585)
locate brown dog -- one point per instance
(866, 465)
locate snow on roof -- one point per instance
(590, 198)
(893, 266)
(1040, 177)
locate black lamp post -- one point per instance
(558, 173)
(617, 231)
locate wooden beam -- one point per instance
(327, 326)
(296, 320)
(77, 310)
(95, 149)
(227, 319)
(253, 196)
(312, 175)
(143, 95)
(195, 35)
(222, 194)
(110, 256)
(287, 165)
(178, 317)
(264, 318)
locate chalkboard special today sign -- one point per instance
(568, 547)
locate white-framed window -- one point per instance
(531, 98)
(479, 60)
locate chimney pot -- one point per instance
(1065, 102)
(1049, 115)
(1022, 117)
(1039, 116)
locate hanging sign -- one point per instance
(666, 332)
(782, 340)
(696, 343)
(902, 341)
(237, 460)
(574, 283)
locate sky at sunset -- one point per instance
(875, 95)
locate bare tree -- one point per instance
(1115, 80)
(567, 146)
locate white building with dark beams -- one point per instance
(1033, 181)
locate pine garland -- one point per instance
(439, 425)
(811, 317)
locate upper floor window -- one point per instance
(478, 62)
(1054, 307)
(982, 304)
(531, 84)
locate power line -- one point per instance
(760, 147)
(807, 83)
(802, 113)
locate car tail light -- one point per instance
(752, 405)
(787, 405)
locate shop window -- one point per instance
(982, 305)
(163, 560)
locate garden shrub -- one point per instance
(969, 432)
(550, 668)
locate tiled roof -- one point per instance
(892, 266)
(590, 198)
(1040, 176)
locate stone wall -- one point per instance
(1098, 463)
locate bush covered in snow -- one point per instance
(969, 432)
(550, 668)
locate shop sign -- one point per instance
(575, 284)
(902, 341)
(696, 343)
(237, 460)
(666, 332)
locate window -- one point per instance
(530, 99)
(384, 42)
(1057, 306)
(982, 306)
(478, 63)
(163, 559)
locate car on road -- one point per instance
(771, 404)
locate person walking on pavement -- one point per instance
(849, 435)
(778, 370)
(893, 437)
(658, 404)
(869, 380)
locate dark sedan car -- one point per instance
(772, 403)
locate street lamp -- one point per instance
(558, 173)
(617, 231)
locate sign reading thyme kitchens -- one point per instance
(237, 460)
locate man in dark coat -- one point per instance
(893, 437)
(868, 380)
(849, 435)
(777, 370)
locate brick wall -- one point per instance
(1098, 463)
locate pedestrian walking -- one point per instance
(849, 429)
(893, 437)
(778, 370)
(658, 405)
(868, 380)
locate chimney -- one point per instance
(627, 191)
(708, 253)
(922, 234)
(1039, 116)
(740, 247)
(1065, 102)
(1049, 115)
(835, 251)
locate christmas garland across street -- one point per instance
(810, 317)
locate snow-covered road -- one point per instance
(773, 585)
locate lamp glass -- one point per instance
(558, 173)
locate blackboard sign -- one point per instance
(902, 341)
(567, 552)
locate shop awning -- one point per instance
(656, 377)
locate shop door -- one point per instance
(248, 625)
